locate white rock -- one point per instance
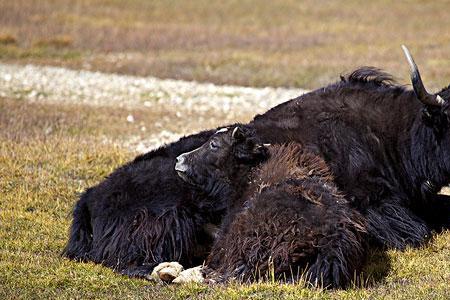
(130, 118)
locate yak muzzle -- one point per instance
(180, 164)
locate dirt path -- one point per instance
(52, 84)
(198, 105)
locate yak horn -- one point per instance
(235, 130)
(421, 93)
(237, 133)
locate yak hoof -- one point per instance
(166, 271)
(190, 275)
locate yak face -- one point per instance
(226, 157)
(436, 110)
(436, 116)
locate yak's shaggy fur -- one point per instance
(291, 221)
(144, 214)
(295, 223)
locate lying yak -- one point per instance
(144, 214)
(290, 222)
(387, 149)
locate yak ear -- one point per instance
(262, 150)
(252, 153)
(435, 118)
(238, 134)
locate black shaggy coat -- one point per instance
(390, 154)
(143, 214)
(293, 223)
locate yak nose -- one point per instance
(180, 164)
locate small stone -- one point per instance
(130, 118)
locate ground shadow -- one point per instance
(376, 268)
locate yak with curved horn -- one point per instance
(389, 153)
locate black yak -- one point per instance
(290, 221)
(388, 148)
(144, 214)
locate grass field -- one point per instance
(50, 152)
(249, 42)
(42, 170)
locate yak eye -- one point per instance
(214, 145)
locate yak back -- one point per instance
(360, 125)
(367, 100)
(150, 176)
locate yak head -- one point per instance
(224, 160)
(433, 143)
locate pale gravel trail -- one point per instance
(60, 85)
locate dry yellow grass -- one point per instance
(256, 43)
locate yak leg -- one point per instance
(395, 226)
(166, 271)
(341, 255)
(134, 250)
(190, 275)
(172, 272)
